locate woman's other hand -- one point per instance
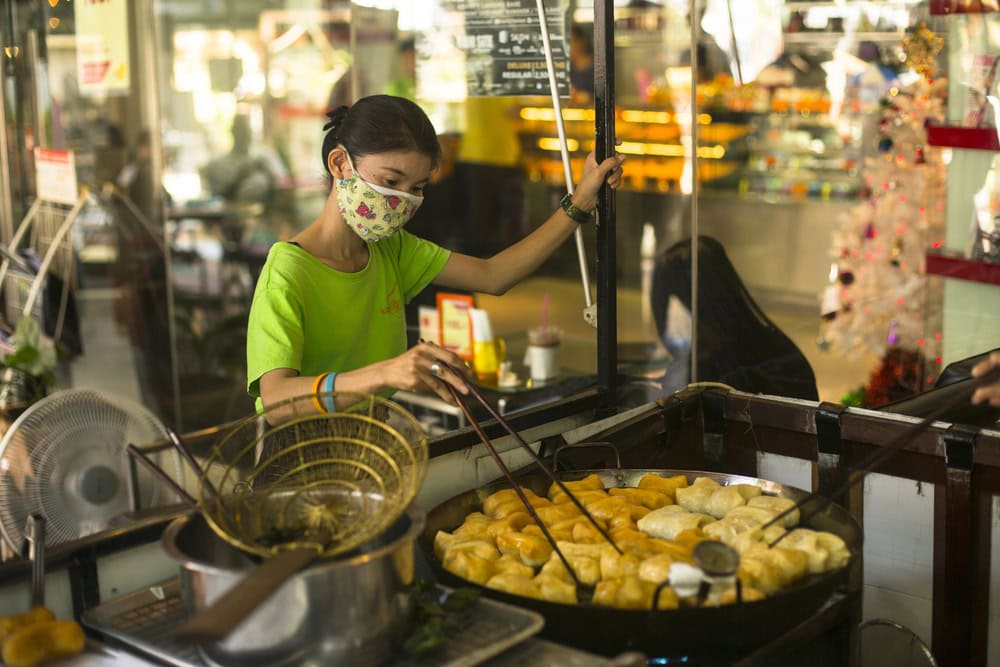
(429, 367)
(989, 393)
(594, 177)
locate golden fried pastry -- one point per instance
(589, 483)
(531, 549)
(493, 500)
(655, 569)
(512, 564)
(469, 566)
(586, 569)
(632, 593)
(777, 505)
(514, 584)
(616, 565)
(666, 485)
(584, 532)
(482, 548)
(583, 497)
(728, 497)
(790, 564)
(606, 507)
(627, 516)
(759, 574)
(648, 498)
(557, 512)
(759, 514)
(728, 596)
(559, 535)
(474, 530)
(670, 520)
(509, 524)
(556, 589)
(690, 537)
(837, 549)
(748, 538)
(695, 498)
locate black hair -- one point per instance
(737, 343)
(380, 124)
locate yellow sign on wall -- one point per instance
(102, 46)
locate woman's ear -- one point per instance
(338, 164)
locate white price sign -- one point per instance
(55, 176)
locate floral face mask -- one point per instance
(374, 212)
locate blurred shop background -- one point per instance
(197, 129)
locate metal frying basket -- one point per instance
(328, 482)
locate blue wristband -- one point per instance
(328, 385)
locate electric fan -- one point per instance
(65, 458)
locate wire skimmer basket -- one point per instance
(323, 481)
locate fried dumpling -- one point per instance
(777, 505)
(445, 542)
(515, 584)
(790, 564)
(605, 508)
(695, 498)
(468, 565)
(509, 524)
(836, 547)
(511, 563)
(557, 512)
(586, 569)
(758, 514)
(666, 485)
(668, 521)
(632, 593)
(555, 589)
(728, 497)
(616, 565)
(825, 551)
(591, 482)
(582, 497)
(492, 501)
(532, 550)
(648, 498)
(655, 569)
(474, 530)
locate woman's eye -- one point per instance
(389, 182)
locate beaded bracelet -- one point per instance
(315, 393)
(328, 385)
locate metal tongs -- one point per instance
(958, 395)
(461, 401)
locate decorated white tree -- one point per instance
(879, 299)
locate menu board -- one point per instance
(502, 43)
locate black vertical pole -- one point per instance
(604, 125)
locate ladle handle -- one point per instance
(216, 621)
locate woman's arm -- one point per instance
(424, 367)
(499, 273)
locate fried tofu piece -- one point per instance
(648, 498)
(665, 485)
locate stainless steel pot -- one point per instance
(350, 610)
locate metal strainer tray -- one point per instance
(145, 620)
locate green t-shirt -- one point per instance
(312, 318)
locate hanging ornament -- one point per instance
(884, 145)
(53, 23)
(920, 50)
(53, 3)
(896, 254)
(831, 303)
(919, 157)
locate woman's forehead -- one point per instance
(410, 163)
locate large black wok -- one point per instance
(691, 633)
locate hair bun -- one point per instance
(336, 119)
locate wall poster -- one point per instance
(502, 43)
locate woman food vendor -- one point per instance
(327, 312)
